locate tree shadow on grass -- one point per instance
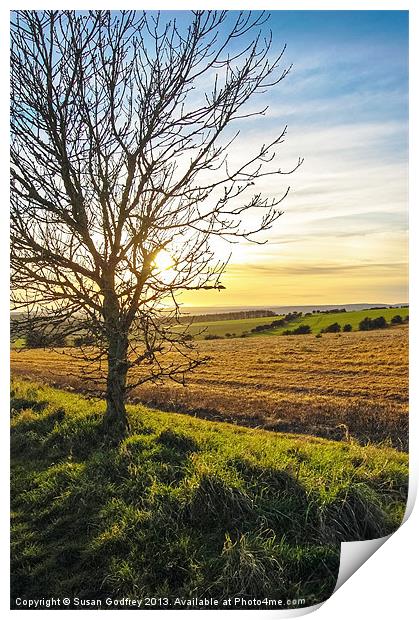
(141, 518)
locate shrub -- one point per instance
(261, 328)
(367, 323)
(58, 341)
(213, 337)
(278, 323)
(37, 340)
(83, 341)
(347, 327)
(334, 328)
(379, 322)
(301, 329)
(396, 320)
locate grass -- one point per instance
(351, 383)
(317, 322)
(185, 507)
(232, 326)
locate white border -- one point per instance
(386, 585)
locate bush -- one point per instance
(396, 320)
(347, 327)
(83, 341)
(379, 323)
(301, 329)
(35, 339)
(261, 328)
(58, 341)
(38, 340)
(365, 324)
(278, 323)
(368, 323)
(213, 337)
(334, 328)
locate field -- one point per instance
(186, 507)
(236, 327)
(340, 386)
(221, 328)
(317, 322)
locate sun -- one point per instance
(163, 261)
(164, 265)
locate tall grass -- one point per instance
(185, 507)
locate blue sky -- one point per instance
(343, 236)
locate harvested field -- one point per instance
(338, 386)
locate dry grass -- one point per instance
(337, 386)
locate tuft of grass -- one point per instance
(214, 502)
(186, 507)
(251, 565)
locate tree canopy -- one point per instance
(122, 124)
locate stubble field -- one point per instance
(340, 386)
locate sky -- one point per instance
(343, 235)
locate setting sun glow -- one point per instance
(163, 261)
(164, 266)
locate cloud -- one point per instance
(345, 221)
(249, 270)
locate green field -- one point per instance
(220, 328)
(185, 507)
(317, 322)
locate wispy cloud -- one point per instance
(344, 231)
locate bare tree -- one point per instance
(121, 131)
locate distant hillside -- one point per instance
(226, 310)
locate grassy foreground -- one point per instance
(185, 507)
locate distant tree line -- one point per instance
(225, 316)
(288, 318)
(331, 311)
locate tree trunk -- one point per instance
(115, 420)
